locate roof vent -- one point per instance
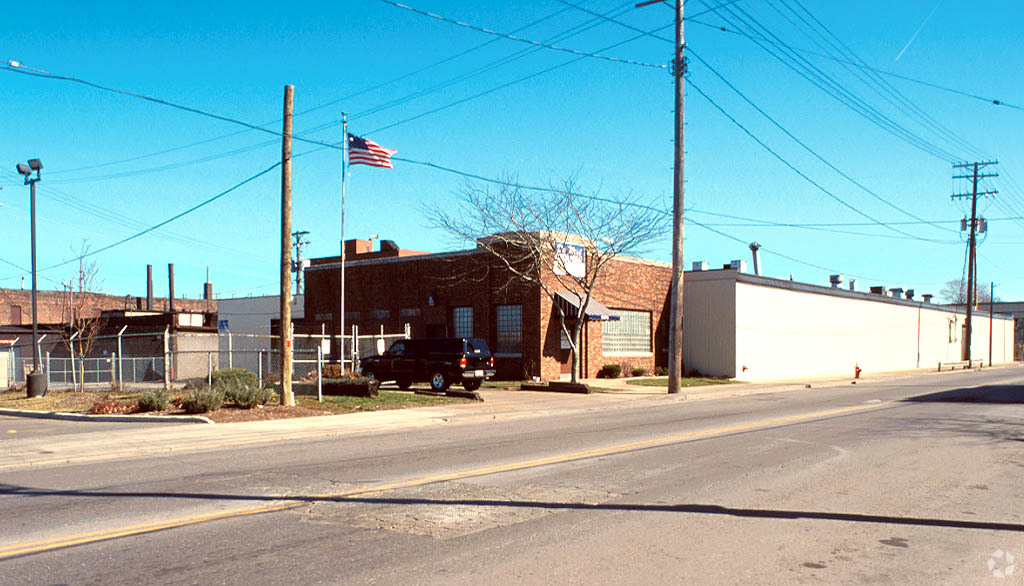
(927, 297)
(878, 289)
(700, 265)
(740, 265)
(896, 292)
(853, 284)
(836, 280)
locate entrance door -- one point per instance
(564, 358)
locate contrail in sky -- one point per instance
(918, 31)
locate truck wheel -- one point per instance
(472, 385)
(439, 382)
(404, 383)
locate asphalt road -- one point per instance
(852, 485)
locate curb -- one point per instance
(106, 418)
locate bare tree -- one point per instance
(557, 240)
(955, 291)
(81, 310)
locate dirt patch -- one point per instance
(261, 413)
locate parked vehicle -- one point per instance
(439, 361)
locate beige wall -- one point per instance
(782, 333)
(709, 322)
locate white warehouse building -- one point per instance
(758, 328)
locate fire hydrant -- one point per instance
(856, 371)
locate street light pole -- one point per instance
(36, 380)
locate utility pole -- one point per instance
(972, 240)
(298, 244)
(287, 398)
(675, 331)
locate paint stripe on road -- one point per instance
(107, 534)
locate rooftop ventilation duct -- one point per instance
(836, 280)
(700, 265)
(755, 251)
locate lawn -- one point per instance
(82, 402)
(662, 381)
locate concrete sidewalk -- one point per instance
(142, 439)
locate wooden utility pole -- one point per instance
(287, 398)
(675, 342)
(972, 241)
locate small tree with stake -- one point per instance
(538, 236)
(82, 312)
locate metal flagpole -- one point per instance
(341, 310)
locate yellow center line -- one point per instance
(107, 534)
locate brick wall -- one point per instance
(52, 305)
(378, 290)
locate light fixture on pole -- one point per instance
(36, 380)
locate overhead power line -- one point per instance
(521, 39)
(986, 99)
(169, 220)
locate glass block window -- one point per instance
(410, 312)
(630, 334)
(509, 329)
(462, 322)
(381, 313)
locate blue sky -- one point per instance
(114, 165)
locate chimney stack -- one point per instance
(149, 287)
(755, 250)
(170, 282)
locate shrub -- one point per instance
(202, 400)
(241, 387)
(638, 372)
(610, 371)
(154, 401)
(234, 378)
(249, 396)
(108, 406)
(661, 370)
(332, 371)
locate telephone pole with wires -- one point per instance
(675, 331)
(972, 239)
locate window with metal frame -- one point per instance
(462, 322)
(509, 328)
(631, 334)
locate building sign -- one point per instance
(570, 259)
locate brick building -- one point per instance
(16, 305)
(469, 294)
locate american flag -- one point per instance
(363, 151)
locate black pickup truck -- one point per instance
(439, 361)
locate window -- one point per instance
(631, 334)
(410, 312)
(462, 320)
(381, 313)
(509, 329)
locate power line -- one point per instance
(171, 219)
(988, 100)
(800, 173)
(160, 101)
(763, 113)
(830, 86)
(520, 39)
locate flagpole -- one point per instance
(341, 311)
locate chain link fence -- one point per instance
(163, 359)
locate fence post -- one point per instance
(319, 374)
(408, 331)
(231, 362)
(47, 369)
(113, 365)
(209, 368)
(167, 358)
(259, 367)
(120, 363)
